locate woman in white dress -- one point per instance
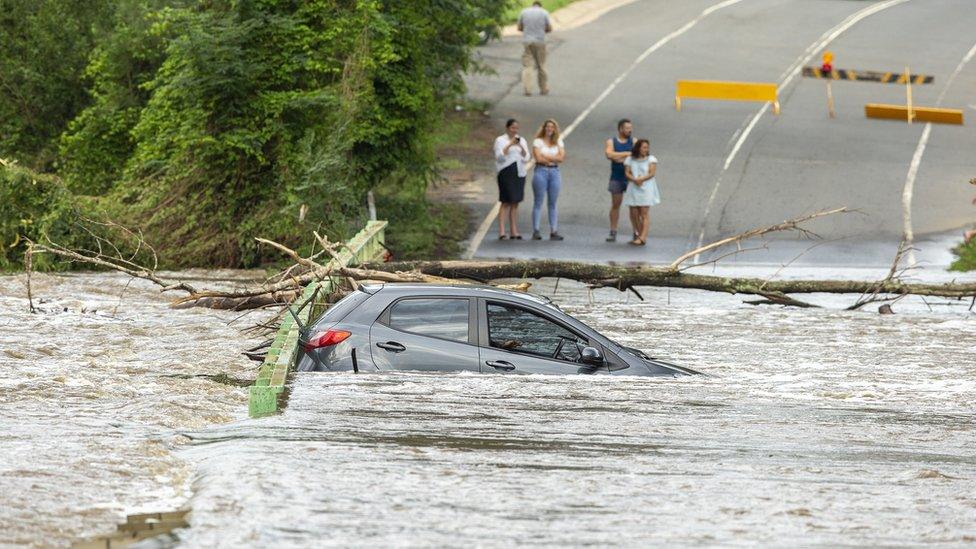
(642, 192)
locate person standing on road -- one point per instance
(511, 154)
(534, 23)
(549, 153)
(642, 192)
(618, 149)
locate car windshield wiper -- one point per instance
(636, 352)
(549, 301)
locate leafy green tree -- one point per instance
(242, 87)
(44, 48)
(98, 142)
(264, 105)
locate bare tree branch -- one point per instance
(788, 225)
(893, 275)
(121, 265)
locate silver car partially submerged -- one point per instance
(442, 328)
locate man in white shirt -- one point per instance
(534, 23)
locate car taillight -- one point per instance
(326, 339)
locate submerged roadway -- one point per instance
(725, 167)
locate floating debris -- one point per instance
(138, 528)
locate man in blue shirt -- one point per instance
(617, 150)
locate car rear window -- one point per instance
(341, 308)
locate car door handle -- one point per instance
(501, 365)
(392, 346)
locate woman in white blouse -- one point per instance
(511, 154)
(549, 153)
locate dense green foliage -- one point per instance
(44, 47)
(98, 142)
(207, 123)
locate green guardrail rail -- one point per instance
(266, 395)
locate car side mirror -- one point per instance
(591, 356)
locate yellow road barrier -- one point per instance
(722, 90)
(920, 114)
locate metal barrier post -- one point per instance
(908, 84)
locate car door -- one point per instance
(426, 334)
(518, 340)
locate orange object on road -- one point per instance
(828, 63)
(919, 114)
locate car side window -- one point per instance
(436, 317)
(519, 330)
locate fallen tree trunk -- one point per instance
(626, 277)
(287, 285)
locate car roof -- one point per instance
(466, 290)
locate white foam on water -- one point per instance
(822, 426)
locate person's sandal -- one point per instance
(516, 237)
(502, 237)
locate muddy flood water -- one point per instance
(820, 427)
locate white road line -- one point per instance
(482, 231)
(952, 78)
(909, 190)
(485, 226)
(656, 46)
(923, 141)
(785, 79)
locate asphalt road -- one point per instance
(725, 167)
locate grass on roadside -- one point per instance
(456, 125)
(433, 224)
(423, 229)
(965, 257)
(433, 227)
(461, 138)
(511, 16)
